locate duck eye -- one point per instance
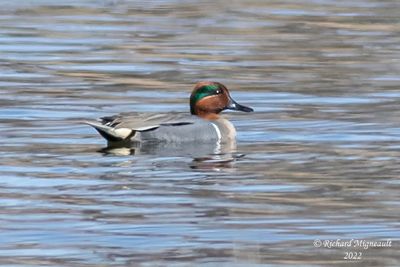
(218, 91)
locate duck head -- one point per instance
(208, 99)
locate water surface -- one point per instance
(319, 159)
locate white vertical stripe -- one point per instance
(217, 149)
(218, 131)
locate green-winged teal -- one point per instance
(204, 124)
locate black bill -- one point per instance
(235, 106)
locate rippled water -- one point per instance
(319, 159)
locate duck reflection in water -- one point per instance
(205, 155)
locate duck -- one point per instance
(203, 124)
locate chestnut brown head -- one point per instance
(208, 99)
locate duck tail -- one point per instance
(111, 134)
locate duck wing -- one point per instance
(147, 121)
(123, 126)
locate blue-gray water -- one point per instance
(319, 158)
